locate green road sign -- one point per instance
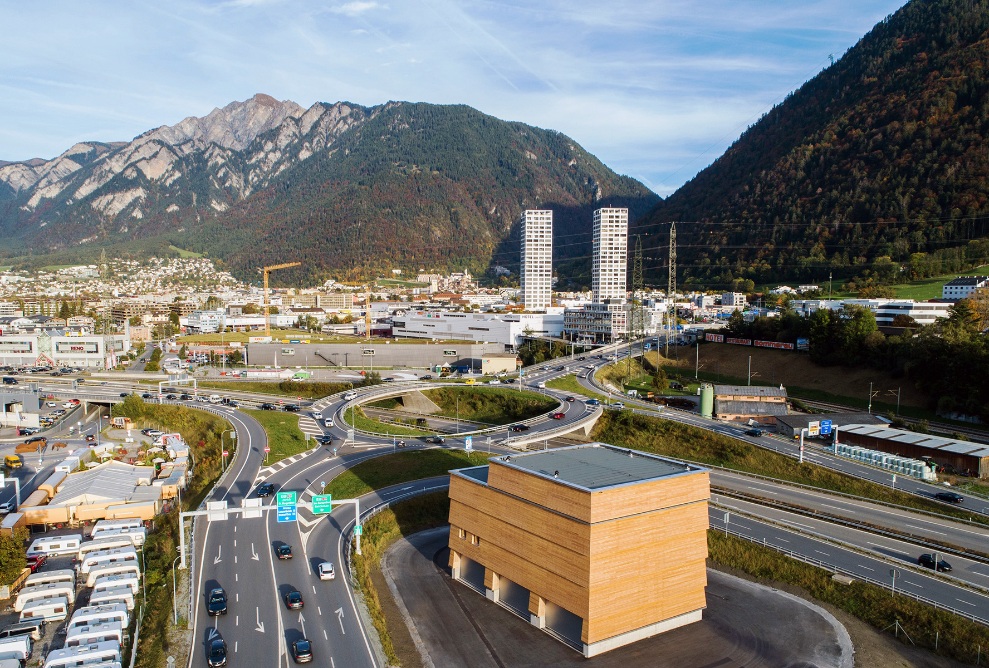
(358, 529)
(322, 503)
(286, 498)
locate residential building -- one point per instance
(599, 545)
(734, 300)
(610, 259)
(537, 259)
(963, 287)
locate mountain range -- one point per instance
(348, 190)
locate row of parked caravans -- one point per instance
(117, 531)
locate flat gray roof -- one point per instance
(918, 439)
(597, 466)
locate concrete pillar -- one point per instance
(537, 610)
(492, 585)
(455, 564)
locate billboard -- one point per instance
(77, 347)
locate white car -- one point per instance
(328, 422)
(68, 404)
(51, 404)
(6, 508)
(325, 570)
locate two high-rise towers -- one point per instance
(609, 264)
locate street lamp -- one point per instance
(175, 606)
(871, 395)
(458, 413)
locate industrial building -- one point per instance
(750, 404)
(61, 348)
(951, 455)
(600, 546)
(789, 426)
(537, 259)
(963, 287)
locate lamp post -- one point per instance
(697, 362)
(458, 413)
(175, 606)
(871, 395)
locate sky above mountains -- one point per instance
(657, 89)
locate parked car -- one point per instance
(325, 570)
(6, 507)
(265, 489)
(302, 650)
(51, 404)
(559, 416)
(950, 497)
(293, 600)
(216, 603)
(931, 561)
(284, 551)
(36, 561)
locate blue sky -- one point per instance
(657, 89)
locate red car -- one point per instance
(36, 561)
(558, 416)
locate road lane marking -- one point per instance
(913, 584)
(236, 620)
(966, 602)
(260, 625)
(235, 542)
(235, 558)
(219, 551)
(866, 568)
(824, 553)
(327, 638)
(783, 539)
(339, 612)
(926, 529)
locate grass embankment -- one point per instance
(570, 384)
(285, 388)
(402, 519)
(284, 436)
(489, 406)
(955, 636)
(398, 468)
(681, 441)
(202, 431)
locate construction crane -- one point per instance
(267, 303)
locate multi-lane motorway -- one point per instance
(239, 554)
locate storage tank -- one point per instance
(707, 401)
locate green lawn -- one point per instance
(570, 384)
(184, 253)
(398, 468)
(361, 422)
(284, 437)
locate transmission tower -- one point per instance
(638, 288)
(671, 287)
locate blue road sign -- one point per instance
(469, 443)
(287, 514)
(825, 427)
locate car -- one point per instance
(36, 561)
(217, 654)
(74, 402)
(302, 650)
(51, 404)
(216, 602)
(6, 507)
(570, 399)
(124, 394)
(618, 405)
(439, 440)
(58, 412)
(593, 402)
(171, 396)
(291, 408)
(559, 416)
(147, 395)
(284, 551)
(325, 570)
(389, 379)
(520, 427)
(426, 377)
(494, 381)
(931, 561)
(950, 497)
(753, 432)
(293, 600)
(68, 404)
(581, 359)
(326, 440)
(185, 397)
(265, 489)
(268, 407)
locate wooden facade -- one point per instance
(622, 558)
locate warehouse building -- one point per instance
(951, 455)
(750, 404)
(789, 426)
(598, 545)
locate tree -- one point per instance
(251, 309)
(236, 357)
(659, 380)
(736, 324)
(213, 303)
(173, 318)
(12, 557)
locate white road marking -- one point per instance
(824, 553)
(340, 617)
(236, 620)
(966, 602)
(319, 609)
(926, 529)
(866, 568)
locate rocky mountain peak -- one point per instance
(234, 126)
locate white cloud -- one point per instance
(355, 8)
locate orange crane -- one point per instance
(267, 304)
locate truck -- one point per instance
(12, 462)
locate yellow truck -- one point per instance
(12, 462)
